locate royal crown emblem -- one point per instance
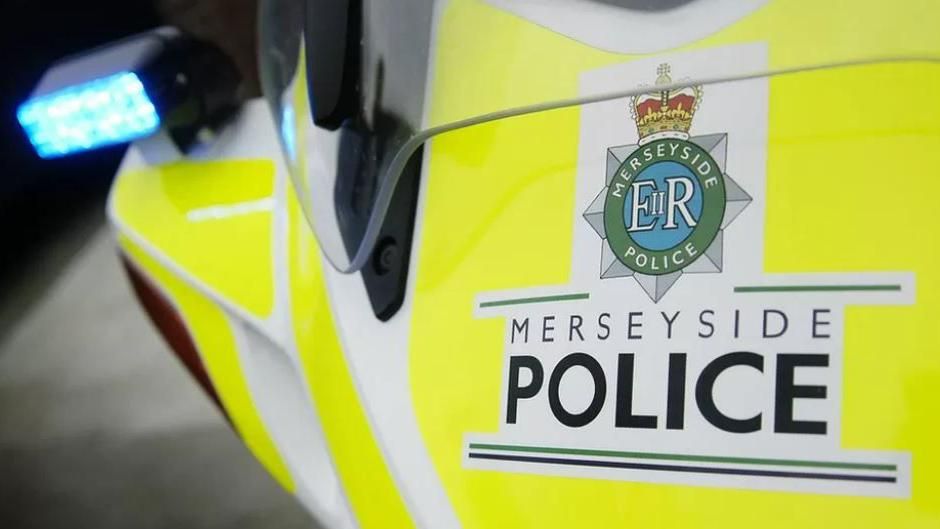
(665, 113)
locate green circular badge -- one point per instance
(664, 206)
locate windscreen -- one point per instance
(357, 86)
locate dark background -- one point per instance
(41, 200)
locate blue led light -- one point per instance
(110, 110)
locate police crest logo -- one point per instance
(667, 198)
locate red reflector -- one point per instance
(171, 327)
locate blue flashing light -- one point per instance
(105, 111)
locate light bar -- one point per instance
(131, 88)
(114, 109)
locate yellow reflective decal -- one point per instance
(213, 219)
(215, 342)
(363, 473)
(832, 207)
(844, 194)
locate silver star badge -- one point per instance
(708, 262)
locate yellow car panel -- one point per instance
(213, 219)
(359, 462)
(211, 331)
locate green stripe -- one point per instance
(684, 457)
(541, 299)
(820, 288)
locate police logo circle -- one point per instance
(665, 206)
